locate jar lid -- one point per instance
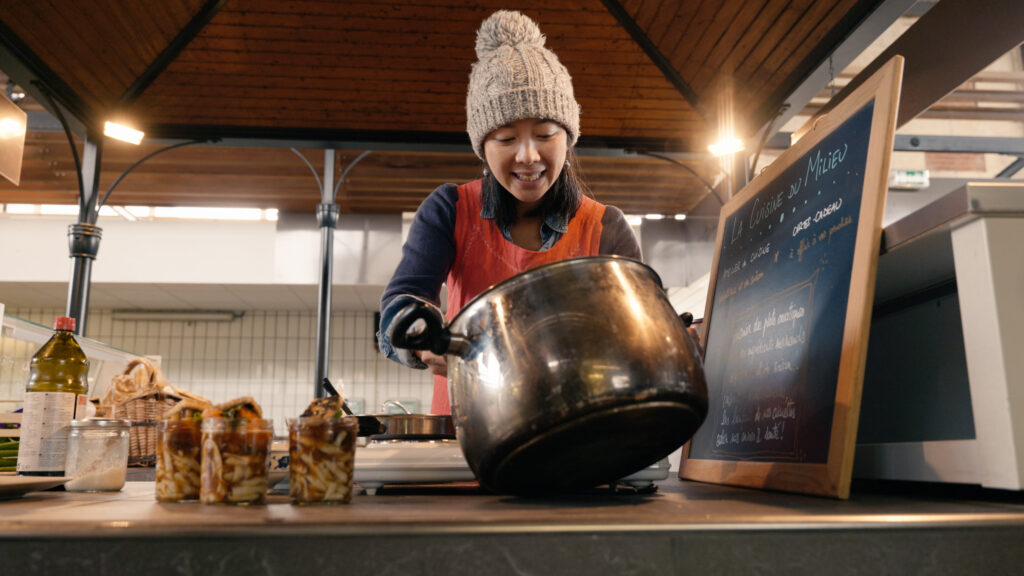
(101, 423)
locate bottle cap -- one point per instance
(64, 323)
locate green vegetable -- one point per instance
(8, 463)
(9, 453)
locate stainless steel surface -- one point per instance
(406, 426)
(413, 426)
(683, 529)
(384, 406)
(956, 209)
(578, 371)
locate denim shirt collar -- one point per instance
(553, 227)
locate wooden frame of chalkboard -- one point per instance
(789, 304)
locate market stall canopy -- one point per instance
(656, 76)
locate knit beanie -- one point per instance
(516, 77)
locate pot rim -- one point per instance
(568, 262)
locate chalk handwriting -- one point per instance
(760, 251)
(741, 286)
(764, 209)
(843, 223)
(827, 210)
(819, 165)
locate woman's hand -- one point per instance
(437, 364)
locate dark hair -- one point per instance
(563, 198)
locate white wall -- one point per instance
(269, 355)
(366, 250)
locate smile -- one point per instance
(528, 177)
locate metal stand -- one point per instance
(84, 237)
(738, 176)
(327, 218)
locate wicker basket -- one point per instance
(144, 411)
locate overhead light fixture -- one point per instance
(680, 216)
(654, 216)
(729, 145)
(11, 127)
(176, 315)
(122, 133)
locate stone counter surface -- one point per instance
(683, 528)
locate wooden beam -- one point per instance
(949, 44)
(659, 59)
(164, 59)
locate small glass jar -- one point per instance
(177, 460)
(321, 459)
(97, 459)
(234, 460)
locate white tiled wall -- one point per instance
(270, 356)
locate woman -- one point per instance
(527, 210)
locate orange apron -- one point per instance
(483, 257)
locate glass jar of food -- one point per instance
(177, 460)
(234, 460)
(97, 458)
(321, 457)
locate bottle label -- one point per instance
(44, 430)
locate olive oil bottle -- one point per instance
(54, 396)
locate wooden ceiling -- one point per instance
(650, 75)
(381, 182)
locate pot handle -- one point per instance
(687, 319)
(435, 337)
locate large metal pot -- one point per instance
(566, 376)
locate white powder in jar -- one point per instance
(108, 480)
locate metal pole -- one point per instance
(738, 173)
(84, 237)
(327, 216)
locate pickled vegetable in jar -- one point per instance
(235, 455)
(178, 460)
(321, 459)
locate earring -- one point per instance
(486, 171)
(568, 164)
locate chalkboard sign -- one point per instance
(786, 323)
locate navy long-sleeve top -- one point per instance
(429, 252)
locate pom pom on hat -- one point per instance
(516, 77)
(507, 28)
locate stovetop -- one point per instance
(441, 461)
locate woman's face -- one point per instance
(526, 157)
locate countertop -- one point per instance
(682, 527)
